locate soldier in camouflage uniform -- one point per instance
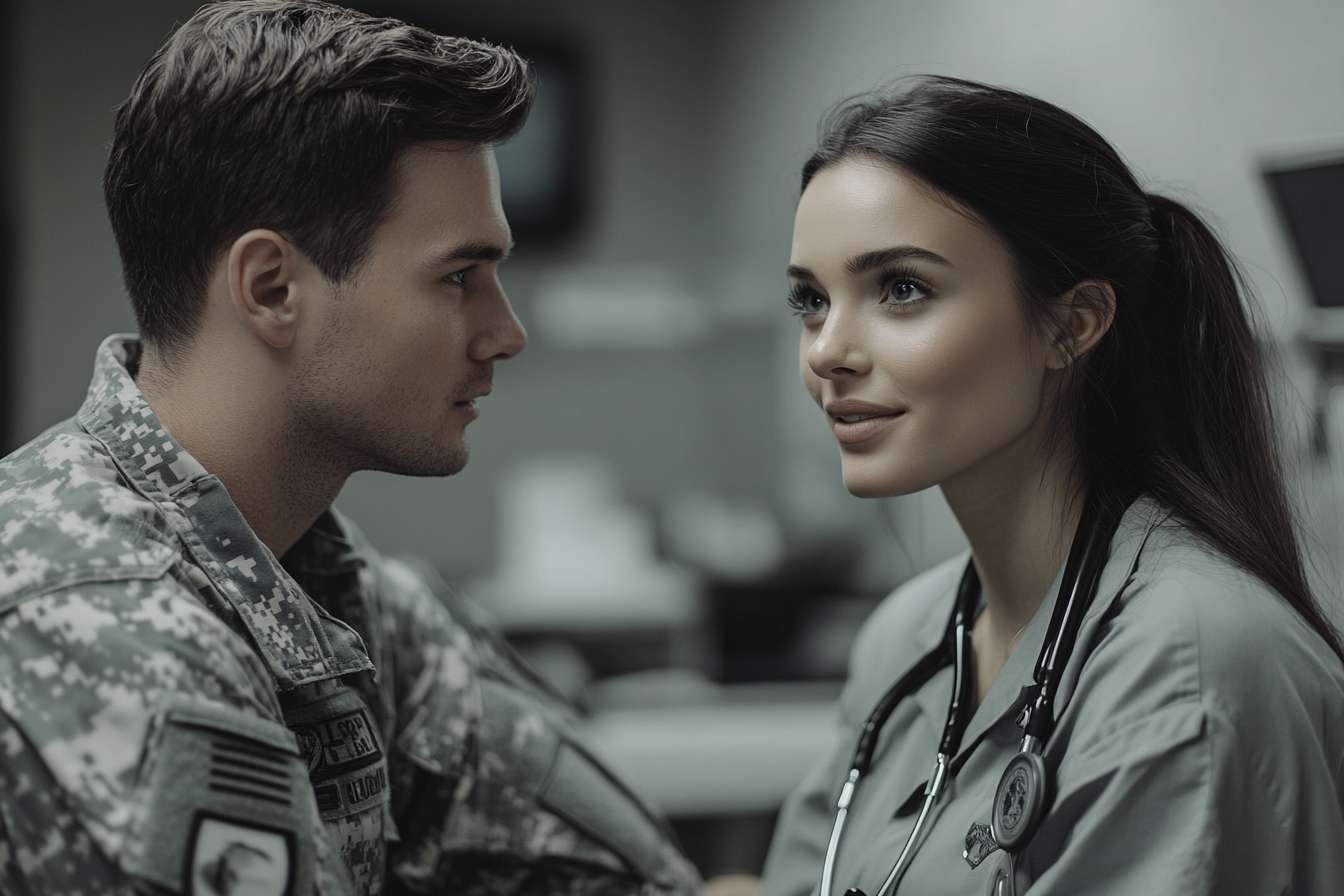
(181, 711)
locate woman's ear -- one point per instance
(1083, 316)
(263, 268)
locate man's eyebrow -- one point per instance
(476, 252)
(878, 258)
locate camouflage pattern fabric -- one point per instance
(182, 712)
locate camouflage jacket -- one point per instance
(181, 712)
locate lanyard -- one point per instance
(1019, 802)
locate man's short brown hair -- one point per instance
(289, 115)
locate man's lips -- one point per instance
(473, 395)
(855, 421)
(469, 404)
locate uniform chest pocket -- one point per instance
(347, 765)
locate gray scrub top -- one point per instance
(1199, 747)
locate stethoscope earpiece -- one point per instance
(1019, 802)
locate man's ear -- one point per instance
(263, 268)
(1083, 316)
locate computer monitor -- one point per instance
(1309, 195)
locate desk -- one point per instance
(731, 757)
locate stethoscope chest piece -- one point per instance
(1019, 801)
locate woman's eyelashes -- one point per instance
(898, 289)
(807, 302)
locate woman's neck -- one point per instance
(1020, 526)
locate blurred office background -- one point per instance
(653, 508)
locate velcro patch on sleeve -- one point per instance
(230, 806)
(584, 794)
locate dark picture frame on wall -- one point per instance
(544, 171)
(543, 175)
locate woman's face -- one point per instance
(914, 342)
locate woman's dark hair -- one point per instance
(1173, 400)
(289, 115)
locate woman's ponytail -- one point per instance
(1213, 454)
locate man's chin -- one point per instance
(448, 465)
(444, 463)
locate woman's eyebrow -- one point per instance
(878, 258)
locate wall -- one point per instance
(76, 63)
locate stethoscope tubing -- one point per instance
(934, 789)
(953, 649)
(842, 812)
(1082, 574)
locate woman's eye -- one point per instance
(905, 292)
(807, 302)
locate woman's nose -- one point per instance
(839, 348)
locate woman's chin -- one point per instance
(861, 486)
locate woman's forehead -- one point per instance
(860, 205)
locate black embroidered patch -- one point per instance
(228, 857)
(343, 753)
(339, 744)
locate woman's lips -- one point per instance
(855, 431)
(855, 420)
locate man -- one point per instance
(307, 209)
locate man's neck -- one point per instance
(232, 419)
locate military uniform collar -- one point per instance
(324, 550)
(299, 641)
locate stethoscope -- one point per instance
(1023, 791)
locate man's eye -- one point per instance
(457, 278)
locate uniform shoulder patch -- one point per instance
(584, 794)
(227, 857)
(229, 806)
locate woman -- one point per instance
(991, 303)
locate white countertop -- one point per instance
(723, 758)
